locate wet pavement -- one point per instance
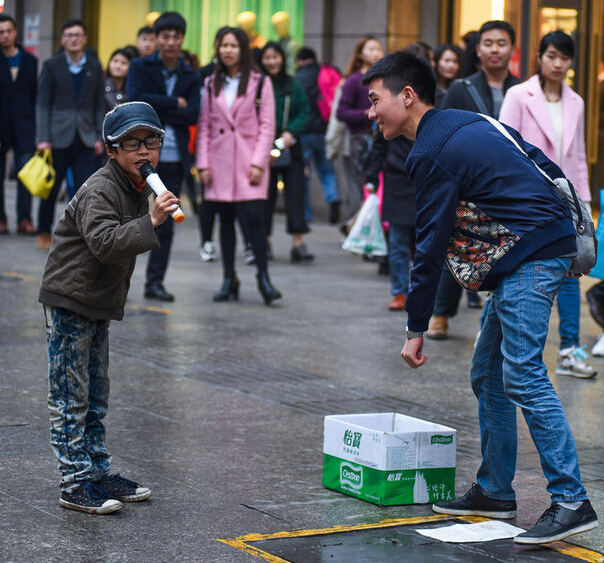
(218, 407)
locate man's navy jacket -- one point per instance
(18, 104)
(480, 203)
(146, 83)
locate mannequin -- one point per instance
(280, 21)
(247, 22)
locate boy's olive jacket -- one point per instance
(94, 247)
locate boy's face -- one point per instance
(131, 161)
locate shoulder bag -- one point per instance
(585, 234)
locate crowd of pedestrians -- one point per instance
(246, 125)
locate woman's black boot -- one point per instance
(230, 288)
(269, 293)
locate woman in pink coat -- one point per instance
(236, 133)
(549, 115)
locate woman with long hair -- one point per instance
(292, 115)
(447, 61)
(549, 115)
(115, 77)
(353, 109)
(237, 129)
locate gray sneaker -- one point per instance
(571, 361)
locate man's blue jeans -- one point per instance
(78, 393)
(313, 148)
(508, 372)
(569, 311)
(399, 241)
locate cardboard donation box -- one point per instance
(389, 458)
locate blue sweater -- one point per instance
(481, 204)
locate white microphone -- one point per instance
(149, 174)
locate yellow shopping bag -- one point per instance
(38, 174)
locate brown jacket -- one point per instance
(94, 247)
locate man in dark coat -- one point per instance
(70, 112)
(398, 209)
(165, 82)
(18, 87)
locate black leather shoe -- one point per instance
(300, 254)
(158, 291)
(475, 503)
(558, 523)
(334, 212)
(230, 288)
(268, 292)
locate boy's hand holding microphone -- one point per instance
(166, 203)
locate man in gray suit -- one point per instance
(70, 111)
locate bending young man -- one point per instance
(484, 206)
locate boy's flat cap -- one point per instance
(127, 117)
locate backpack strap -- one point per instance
(508, 136)
(482, 108)
(209, 88)
(258, 98)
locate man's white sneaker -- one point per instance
(598, 349)
(571, 361)
(207, 251)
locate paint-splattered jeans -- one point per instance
(78, 393)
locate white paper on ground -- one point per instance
(480, 532)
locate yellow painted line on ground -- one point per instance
(151, 308)
(242, 542)
(18, 276)
(575, 551)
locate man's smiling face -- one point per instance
(387, 110)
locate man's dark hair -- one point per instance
(306, 53)
(145, 31)
(7, 18)
(497, 24)
(559, 40)
(73, 23)
(171, 21)
(401, 69)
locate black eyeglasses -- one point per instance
(131, 145)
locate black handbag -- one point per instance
(283, 156)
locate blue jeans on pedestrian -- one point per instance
(78, 393)
(508, 372)
(399, 240)
(569, 311)
(313, 148)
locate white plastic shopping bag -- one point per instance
(366, 235)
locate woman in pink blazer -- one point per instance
(549, 115)
(236, 133)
